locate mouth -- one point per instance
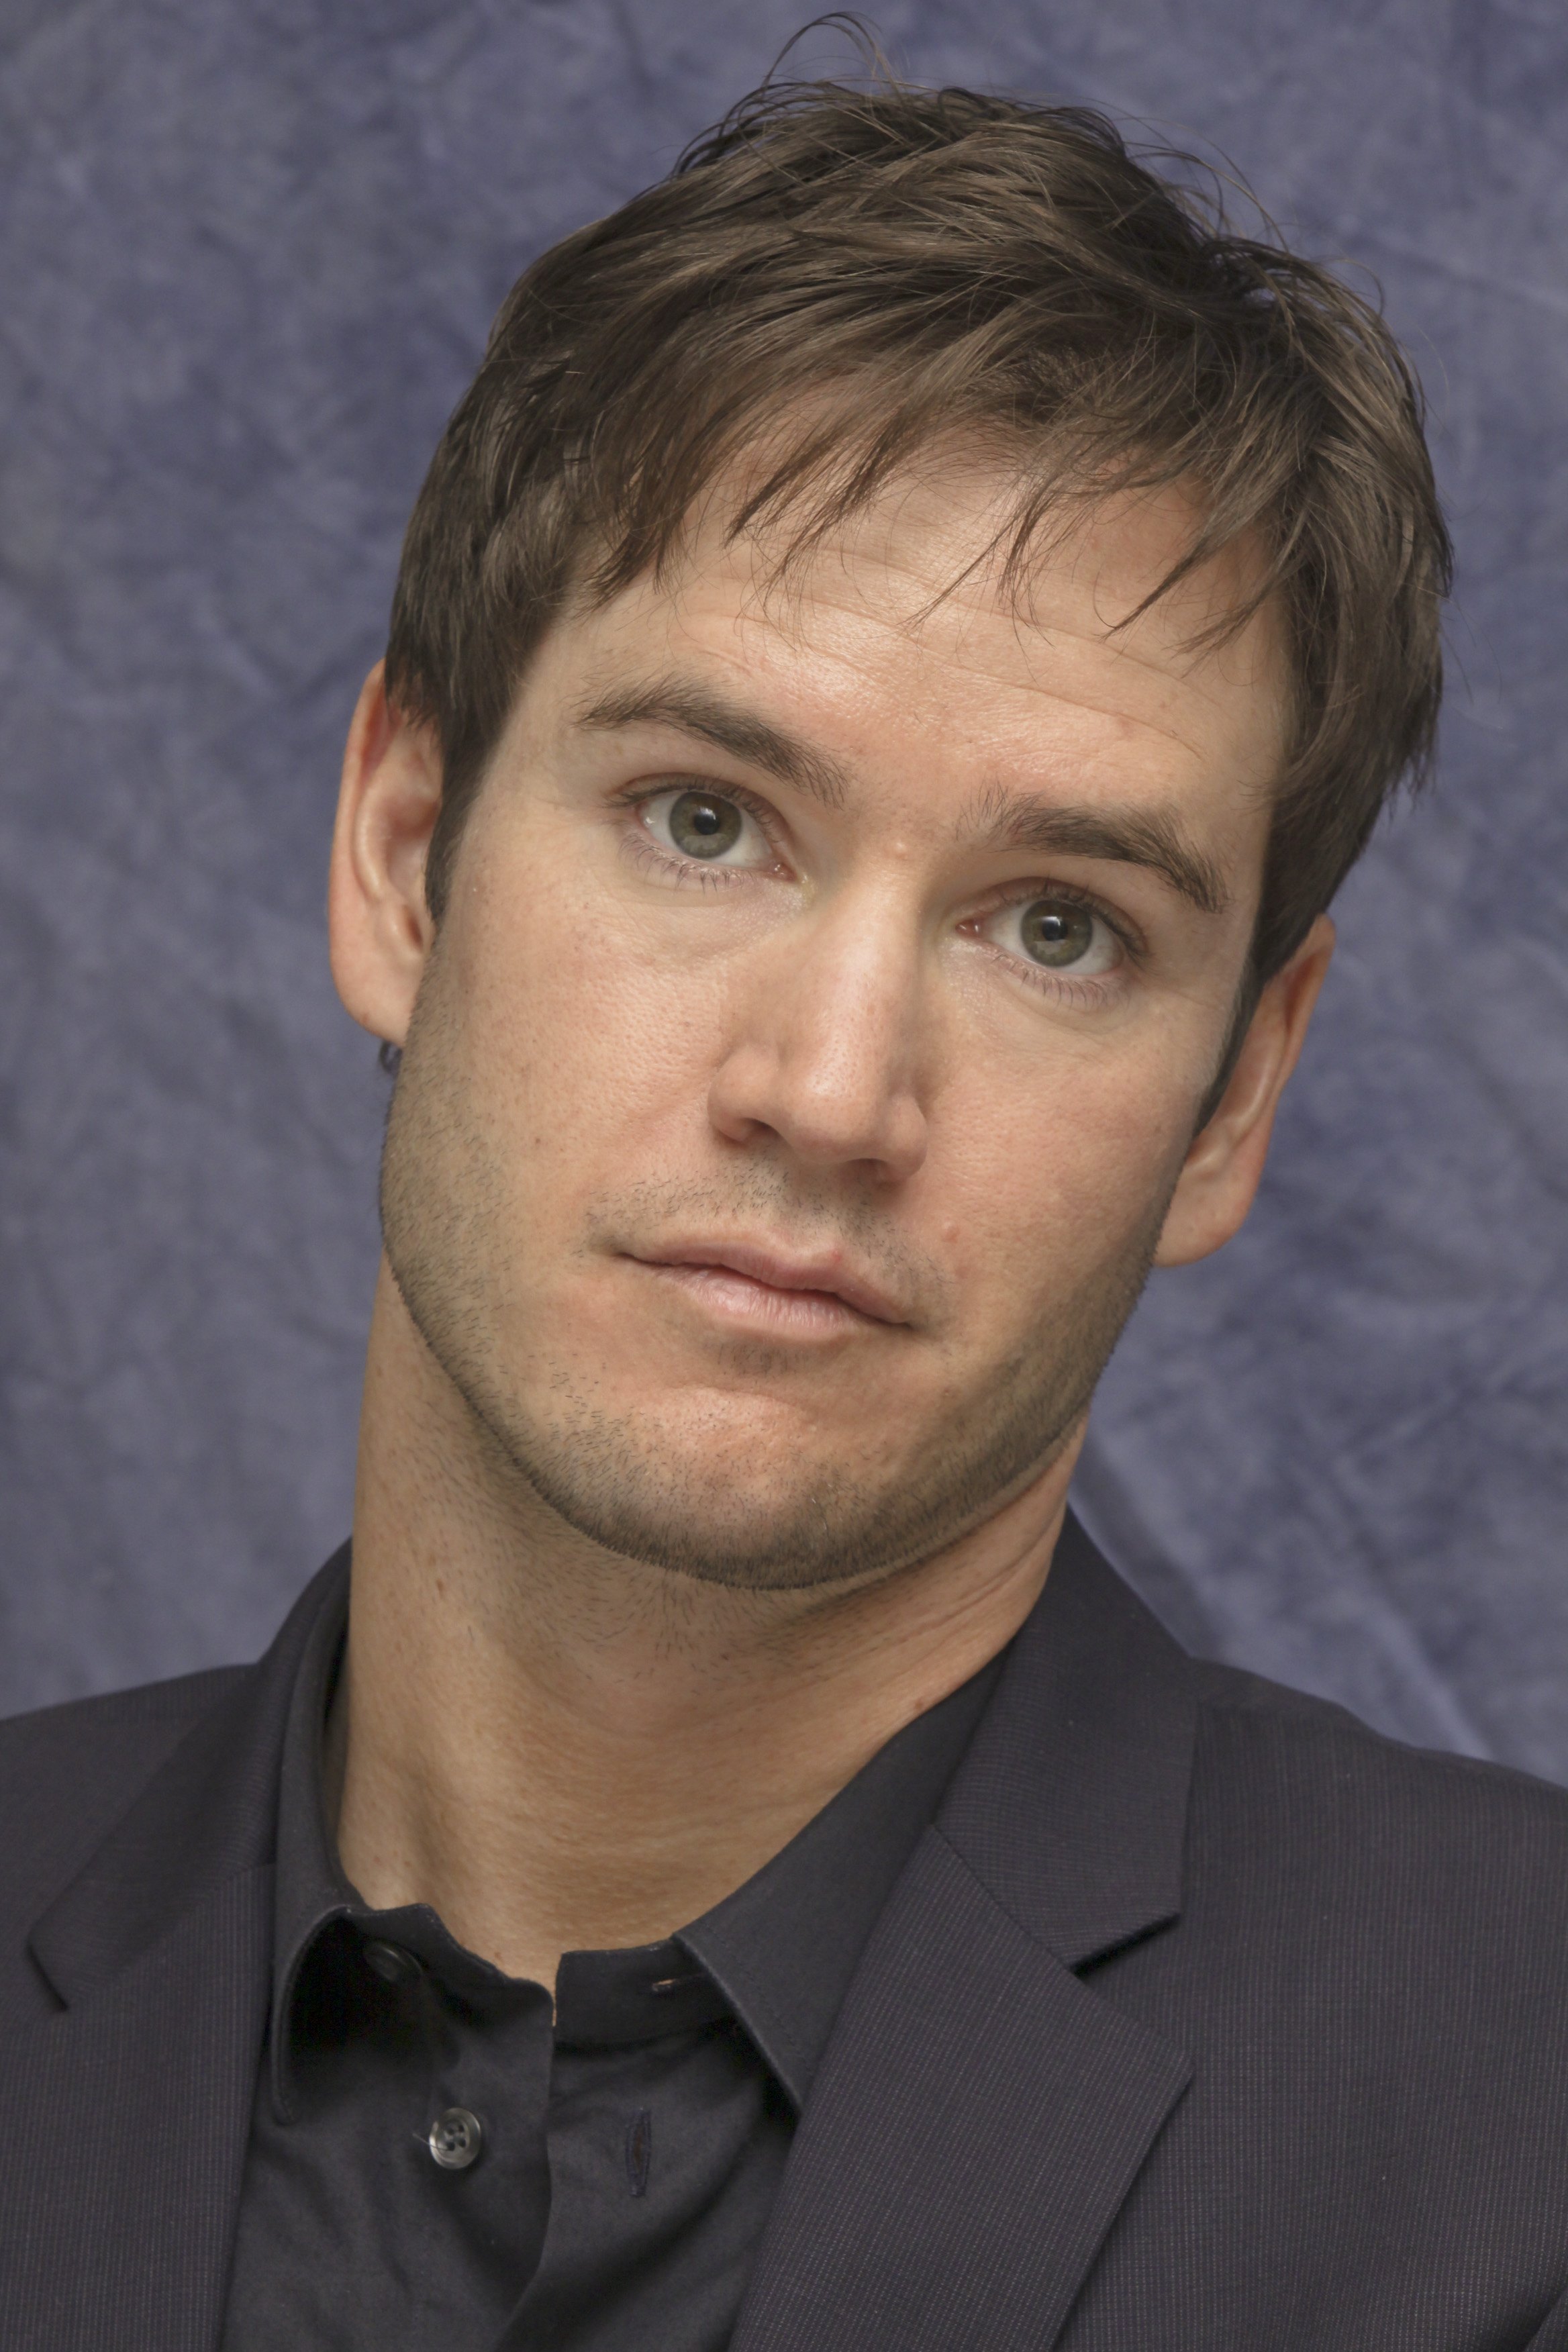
(809, 1297)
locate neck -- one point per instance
(560, 1750)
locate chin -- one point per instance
(726, 1497)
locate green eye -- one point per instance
(702, 826)
(1056, 931)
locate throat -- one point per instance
(559, 1749)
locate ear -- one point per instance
(1222, 1169)
(378, 922)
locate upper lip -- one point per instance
(780, 1271)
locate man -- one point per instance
(893, 657)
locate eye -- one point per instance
(706, 827)
(1058, 934)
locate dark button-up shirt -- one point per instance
(442, 2158)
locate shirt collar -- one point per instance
(310, 1887)
(782, 1949)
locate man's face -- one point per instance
(831, 976)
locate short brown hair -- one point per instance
(894, 266)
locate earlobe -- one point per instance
(379, 923)
(1224, 1167)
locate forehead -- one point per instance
(901, 625)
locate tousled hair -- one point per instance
(835, 282)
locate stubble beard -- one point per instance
(618, 1480)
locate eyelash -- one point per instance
(1088, 993)
(646, 852)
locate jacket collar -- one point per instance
(982, 2112)
(118, 2204)
(210, 1813)
(1072, 1805)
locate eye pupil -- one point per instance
(702, 826)
(1055, 931)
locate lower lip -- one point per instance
(734, 1298)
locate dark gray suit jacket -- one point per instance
(1202, 2021)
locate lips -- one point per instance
(824, 1277)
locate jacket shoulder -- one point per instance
(181, 1698)
(1273, 1710)
(67, 1773)
(1346, 1801)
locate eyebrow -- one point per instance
(1003, 820)
(1124, 837)
(696, 710)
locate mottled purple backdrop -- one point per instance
(252, 246)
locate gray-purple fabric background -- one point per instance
(250, 250)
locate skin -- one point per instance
(660, 1534)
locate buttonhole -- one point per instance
(668, 1984)
(639, 2151)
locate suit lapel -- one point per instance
(978, 2121)
(981, 2113)
(129, 2115)
(129, 2111)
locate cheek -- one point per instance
(1040, 1186)
(585, 1037)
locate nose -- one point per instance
(824, 1049)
